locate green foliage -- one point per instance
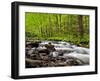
(58, 27)
(30, 34)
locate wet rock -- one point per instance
(72, 62)
(44, 56)
(44, 51)
(53, 54)
(50, 47)
(33, 63)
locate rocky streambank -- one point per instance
(54, 54)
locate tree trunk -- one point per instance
(81, 30)
(56, 23)
(60, 23)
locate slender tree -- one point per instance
(81, 30)
(57, 28)
(60, 23)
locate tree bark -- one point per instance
(81, 30)
(60, 23)
(56, 23)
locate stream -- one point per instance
(60, 54)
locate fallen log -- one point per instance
(32, 61)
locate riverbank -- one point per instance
(55, 53)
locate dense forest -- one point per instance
(58, 27)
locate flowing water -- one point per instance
(64, 50)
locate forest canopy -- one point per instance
(71, 28)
